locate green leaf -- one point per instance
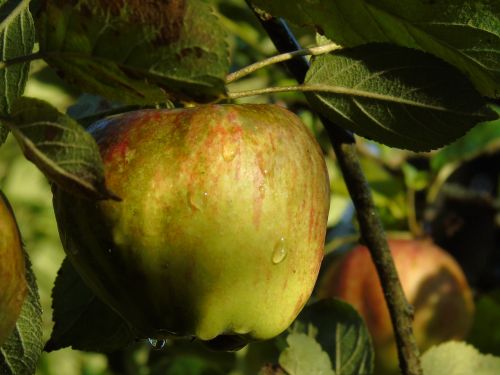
(59, 147)
(342, 334)
(458, 358)
(20, 353)
(304, 356)
(397, 96)
(485, 332)
(82, 320)
(465, 33)
(141, 53)
(483, 138)
(415, 179)
(17, 37)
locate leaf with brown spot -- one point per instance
(137, 52)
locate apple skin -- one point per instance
(220, 231)
(13, 287)
(432, 281)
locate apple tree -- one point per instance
(200, 171)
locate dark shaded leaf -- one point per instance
(60, 148)
(82, 320)
(17, 37)
(341, 333)
(141, 53)
(485, 332)
(19, 355)
(186, 365)
(465, 33)
(397, 96)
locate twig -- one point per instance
(313, 51)
(370, 224)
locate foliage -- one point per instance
(416, 75)
(458, 358)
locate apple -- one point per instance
(432, 281)
(220, 230)
(13, 287)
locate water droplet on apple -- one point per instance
(262, 190)
(157, 344)
(229, 151)
(197, 199)
(279, 252)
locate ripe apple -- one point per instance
(221, 226)
(13, 285)
(432, 282)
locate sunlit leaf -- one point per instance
(22, 350)
(304, 356)
(60, 148)
(465, 33)
(17, 37)
(458, 358)
(397, 96)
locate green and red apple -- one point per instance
(220, 230)
(13, 287)
(432, 281)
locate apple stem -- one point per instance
(312, 51)
(370, 224)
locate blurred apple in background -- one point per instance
(434, 285)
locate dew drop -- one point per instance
(157, 344)
(229, 151)
(279, 252)
(262, 191)
(197, 199)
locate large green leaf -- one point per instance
(398, 96)
(342, 334)
(19, 355)
(82, 320)
(59, 147)
(136, 52)
(17, 36)
(465, 33)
